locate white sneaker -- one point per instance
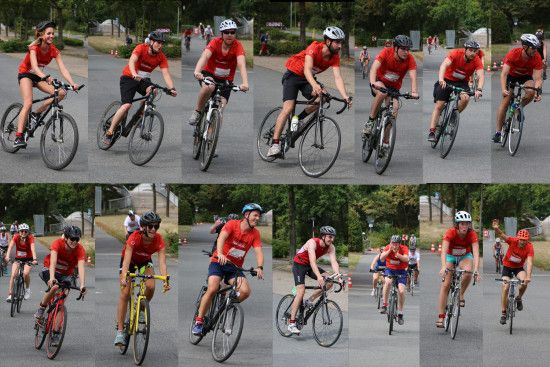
(8, 299)
(194, 119)
(274, 150)
(293, 329)
(27, 293)
(372, 292)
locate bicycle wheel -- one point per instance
(516, 129)
(145, 142)
(455, 314)
(209, 144)
(379, 296)
(197, 137)
(141, 337)
(448, 308)
(433, 144)
(58, 327)
(391, 312)
(105, 123)
(21, 294)
(327, 323)
(127, 328)
(227, 332)
(319, 147)
(511, 311)
(265, 134)
(14, 296)
(9, 127)
(195, 339)
(448, 135)
(367, 148)
(385, 151)
(40, 333)
(59, 141)
(282, 315)
(412, 287)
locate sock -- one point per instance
(18, 134)
(291, 321)
(199, 320)
(432, 130)
(275, 141)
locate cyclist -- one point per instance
(456, 70)
(41, 52)
(218, 225)
(364, 57)
(497, 250)
(375, 265)
(24, 251)
(208, 34)
(459, 246)
(201, 29)
(131, 223)
(187, 36)
(396, 256)
(305, 262)
(387, 71)
(543, 51)
(300, 76)
(218, 62)
(13, 228)
(264, 40)
(522, 65)
(430, 42)
(4, 239)
(136, 257)
(234, 241)
(136, 77)
(414, 263)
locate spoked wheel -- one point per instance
(505, 131)
(368, 145)
(282, 315)
(195, 339)
(227, 332)
(145, 139)
(141, 337)
(127, 327)
(40, 332)
(516, 128)
(448, 311)
(265, 134)
(21, 294)
(511, 311)
(391, 312)
(197, 137)
(319, 147)
(209, 144)
(59, 141)
(57, 331)
(327, 323)
(14, 296)
(433, 144)
(448, 135)
(384, 150)
(105, 123)
(9, 127)
(455, 314)
(379, 296)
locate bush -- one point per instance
(125, 51)
(283, 47)
(172, 240)
(14, 45)
(281, 249)
(73, 42)
(499, 27)
(172, 52)
(58, 44)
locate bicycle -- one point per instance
(207, 130)
(18, 288)
(385, 125)
(145, 128)
(138, 316)
(225, 317)
(3, 265)
(56, 320)
(452, 309)
(59, 138)
(511, 308)
(321, 137)
(411, 284)
(187, 43)
(513, 122)
(379, 284)
(365, 69)
(325, 312)
(499, 257)
(392, 304)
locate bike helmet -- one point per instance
(523, 234)
(157, 36)
(131, 212)
(227, 24)
(149, 218)
(72, 232)
(23, 227)
(412, 248)
(462, 216)
(530, 40)
(327, 230)
(45, 24)
(395, 238)
(364, 47)
(471, 44)
(3, 229)
(334, 33)
(540, 35)
(251, 207)
(497, 240)
(402, 41)
(232, 216)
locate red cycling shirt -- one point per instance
(392, 262)
(480, 53)
(237, 243)
(145, 63)
(459, 246)
(296, 62)
(141, 253)
(460, 70)
(519, 66)
(23, 247)
(515, 256)
(302, 256)
(66, 259)
(43, 59)
(221, 65)
(391, 71)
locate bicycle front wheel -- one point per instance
(145, 138)
(367, 148)
(209, 144)
(59, 141)
(197, 137)
(516, 129)
(379, 296)
(105, 123)
(14, 296)
(141, 337)
(227, 332)
(265, 134)
(9, 127)
(327, 323)
(511, 311)
(57, 331)
(384, 149)
(40, 333)
(21, 294)
(448, 134)
(391, 312)
(127, 328)
(455, 314)
(319, 147)
(282, 315)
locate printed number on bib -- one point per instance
(236, 253)
(458, 251)
(393, 77)
(515, 259)
(144, 74)
(395, 262)
(222, 72)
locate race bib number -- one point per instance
(395, 262)
(458, 75)
(458, 252)
(514, 259)
(222, 72)
(236, 253)
(21, 253)
(392, 77)
(144, 74)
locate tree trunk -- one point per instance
(154, 198)
(112, 28)
(347, 19)
(453, 196)
(430, 201)
(292, 220)
(59, 14)
(440, 209)
(82, 220)
(167, 200)
(93, 224)
(302, 16)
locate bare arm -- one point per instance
(260, 261)
(475, 250)
(241, 64)
(373, 70)
(162, 262)
(339, 82)
(82, 273)
(125, 264)
(503, 75)
(529, 267)
(205, 56)
(167, 78)
(333, 260)
(308, 73)
(442, 68)
(64, 70)
(34, 64)
(132, 65)
(53, 264)
(444, 249)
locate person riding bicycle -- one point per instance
(218, 225)
(300, 76)
(414, 262)
(136, 257)
(234, 241)
(4, 239)
(14, 227)
(497, 250)
(456, 70)
(459, 246)
(41, 52)
(136, 77)
(396, 256)
(387, 71)
(24, 251)
(131, 223)
(520, 251)
(543, 51)
(218, 62)
(66, 254)
(208, 34)
(430, 43)
(305, 262)
(375, 266)
(524, 66)
(364, 56)
(187, 35)
(264, 40)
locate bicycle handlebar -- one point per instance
(65, 285)
(380, 268)
(21, 262)
(521, 86)
(164, 278)
(234, 88)
(517, 281)
(460, 90)
(164, 89)
(251, 271)
(394, 93)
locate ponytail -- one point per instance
(37, 40)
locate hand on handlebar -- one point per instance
(222, 259)
(317, 90)
(166, 287)
(505, 93)
(414, 95)
(82, 290)
(52, 282)
(198, 76)
(136, 78)
(259, 273)
(442, 271)
(123, 281)
(173, 92)
(443, 84)
(243, 87)
(35, 262)
(321, 281)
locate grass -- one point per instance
(498, 51)
(431, 233)
(353, 259)
(113, 225)
(105, 43)
(86, 241)
(542, 254)
(249, 52)
(184, 230)
(265, 234)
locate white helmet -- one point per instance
(498, 240)
(227, 24)
(530, 40)
(334, 33)
(462, 216)
(23, 227)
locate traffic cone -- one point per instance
(185, 241)
(433, 248)
(349, 281)
(116, 53)
(439, 249)
(89, 259)
(488, 67)
(495, 67)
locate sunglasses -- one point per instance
(404, 48)
(151, 226)
(74, 239)
(23, 231)
(228, 32)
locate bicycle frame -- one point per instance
(134, 319)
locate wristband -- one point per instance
(260, 267)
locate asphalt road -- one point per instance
(105, 71)
(470, 156)
(236, 138)
(162, 349)
(255, 346)
(17, 336)
(406, 163)
(369, 328)
(27, 164)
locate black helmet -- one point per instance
(328, 230)
(149, 218)
(232, 216)
(72, 232)
(402, 41)
(157, 36)
(471, 44)
(251, 207)
(45, 24)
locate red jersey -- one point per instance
(460, 70)
(516, 256)
(141, 252)
(43, 59)
(392, 262)
(66, 259)
(430, 40)
(520, 66)
(302, 256)
(237, 243)
(391, 71)
(221, 65)
(480, 53)
(459, 246)
(297, 62)
(23, 247)
(145, 63)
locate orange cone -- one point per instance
(349, 281)
(439, 249)
(433, 248)
(488, 67)
(89, 259)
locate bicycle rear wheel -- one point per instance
(327, 323)
(105, 123)
(8, 127)
(59, 141)
(227, 332)
(209, 144)
(282, 315)
(319, 147)
(448, 135)
(455, 314)
(57, 327)
(265, 134)
(127, 328)
(145, 140)
(195, 339)
(516, 129)
(385, 151)
(141, 337)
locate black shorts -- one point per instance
(33, 77)
(225, 92)
(372, 91)
(413, 267)
(227, 271)
(510, 272)
(517, 79)
(293, 83)
(61, 278)
(441, 94)
(299, 272)
(135, 267)
(129, 87)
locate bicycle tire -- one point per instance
(511, 310)
(337, 317)
(391, 312)
(379, 164)
(60, 157)
(367, 148)
(127, 328)
(448, 308)
(208, 149)
(303, 157)
(505, 131)
(265, 135)
(195, 339)
(433, 144)
(232, 313)
(14, 295)
(142, 145)
(412, 287)
(197, 137)
(8, 128)
(21, 295)
(379, 296)
(53, 351)
(455, 314)
(449, 134)
(105, 123)
(516, 129)
(144, 329)
(281, 320)
(40, 333)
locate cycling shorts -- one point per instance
(33, 77)
(140, 267)
(402, 274)
(299, 272)
(517, 79)
(61, 278)
(458, 259)
(413, 266)
(225, 92)
(129, 87)
(226, 272)
(293, 83)
(373, 91)
(443, 94)
(510, 272)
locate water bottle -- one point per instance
(294, 123)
